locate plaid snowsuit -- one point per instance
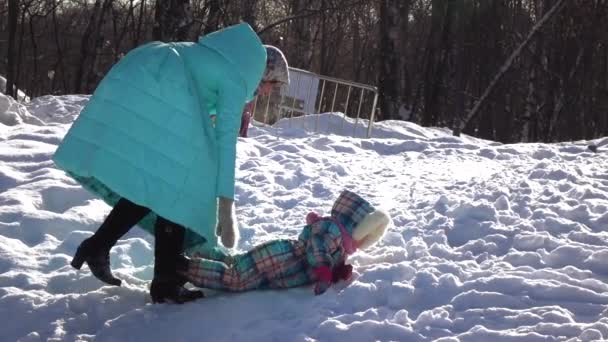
(284, 263)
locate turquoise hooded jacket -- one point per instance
(146, 133)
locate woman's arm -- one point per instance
(231, 99)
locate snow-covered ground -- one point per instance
(20, 94)
(489, 242)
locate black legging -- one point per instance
(122, 218)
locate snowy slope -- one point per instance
(490, 242)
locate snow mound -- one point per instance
(13, 113)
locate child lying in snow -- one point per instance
(318, 256)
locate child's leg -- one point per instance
(211, 274)
(214, 254)
(298, 277)
(206, 273)
(272, 264)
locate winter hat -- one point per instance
(365, 223)
(277, 69)
(371, 229)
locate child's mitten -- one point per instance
(341, 272)
(323, 279)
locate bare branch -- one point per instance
(308, 13)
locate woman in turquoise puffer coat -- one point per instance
(146, 144)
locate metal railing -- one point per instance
(313, 94)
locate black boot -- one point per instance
(172, 292)
(98, 260)
(95, 251)
(167, 285)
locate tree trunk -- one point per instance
(13, 14)
(324, 33)
(84, 47)
(248, 12)
(94, 73)
(506, 66)
(119, 37)
(59, 65)
(435, 63)
(461, 20)
(356, 55)
(394, 86)
(173, 19)
(20, 58)
(300, 37)
(140, 20)
(561, 99)
(529, 119)
(214, 16)
(34, 79)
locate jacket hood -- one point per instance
(360, 219)
(277, 69)
(350, 209)
(242, 47)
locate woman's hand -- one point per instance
(226, 226)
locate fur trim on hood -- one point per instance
(371, 229)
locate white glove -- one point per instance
(226, 222)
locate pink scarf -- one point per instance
(347, 241)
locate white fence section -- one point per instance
(310, 94)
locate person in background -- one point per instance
(145, 143)
(246, 118)
(275, 75)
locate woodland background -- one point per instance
(505, 70)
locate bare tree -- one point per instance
(91, 33)
(140, 20)
(431, 59)
(508, 63)
(59, 64)
(248, 12)
(213, 17)
(437, 52)
(13, 14)
(94, 74)
(173, 19)
(394, 83)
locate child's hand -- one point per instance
(323, 279)
(341, 272)
(321, 287)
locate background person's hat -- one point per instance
(277, 69)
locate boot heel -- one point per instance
(78, 259)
